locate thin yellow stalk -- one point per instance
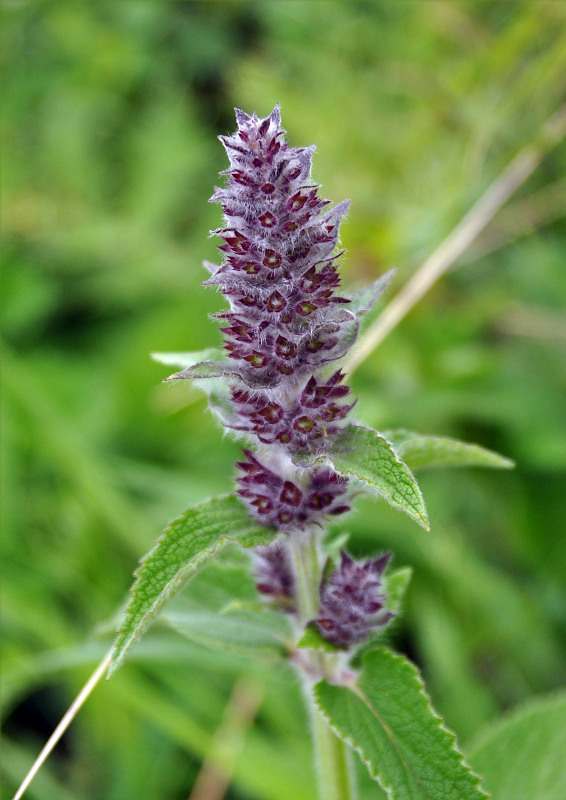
(467, 230)
(217, 770)
(70, 714)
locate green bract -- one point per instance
(366, 455)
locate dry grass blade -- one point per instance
(520, 219)
(66, 720)
(216, 773)
(467, 230)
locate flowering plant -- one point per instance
(279, 384)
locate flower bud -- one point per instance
(352, 601)
(274, 574)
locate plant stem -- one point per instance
(307, 570)
(334, 767)
(334, 764)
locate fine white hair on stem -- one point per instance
(465, 232)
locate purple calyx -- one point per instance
(308, 426)
(274, 575)
(283, 503)
(352, 601)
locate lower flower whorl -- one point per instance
(352, 601)
(279, 502)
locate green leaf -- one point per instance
(388, 719)
(313, 639)
(217, 389)
(186, 360)
(425, 452)
(362, 301)
(182, 549)
(242, 630)
(522, 756)
(395, 584)
(226, 583)
(216, 367)
(367, 455)
(204, 365)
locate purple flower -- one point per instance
(285, 322)
(307, 425)
(283, 503)
(274, 574)
(279, 273)
(352, 601)
(284, 326)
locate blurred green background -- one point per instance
(110, 113)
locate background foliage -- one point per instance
(110, 112)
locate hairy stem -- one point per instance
(335, 768)
(307, 570)
(334, 765)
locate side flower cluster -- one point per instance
(274, 575)
(352, 601)
(284, 326)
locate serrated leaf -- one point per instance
(216, 365)
(182, 549)
(197, 365)
(388, 719)
(226, 580)
(202, 370)
(216, 389)
(426, 452)
(241, 630)
(522, 755)
(313, 639)
(367, 455)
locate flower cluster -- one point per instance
(278, 274)
(285, 322)
(352, 601)
(282, 503)
(274, 574)
(284, 326)
(306, 426)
